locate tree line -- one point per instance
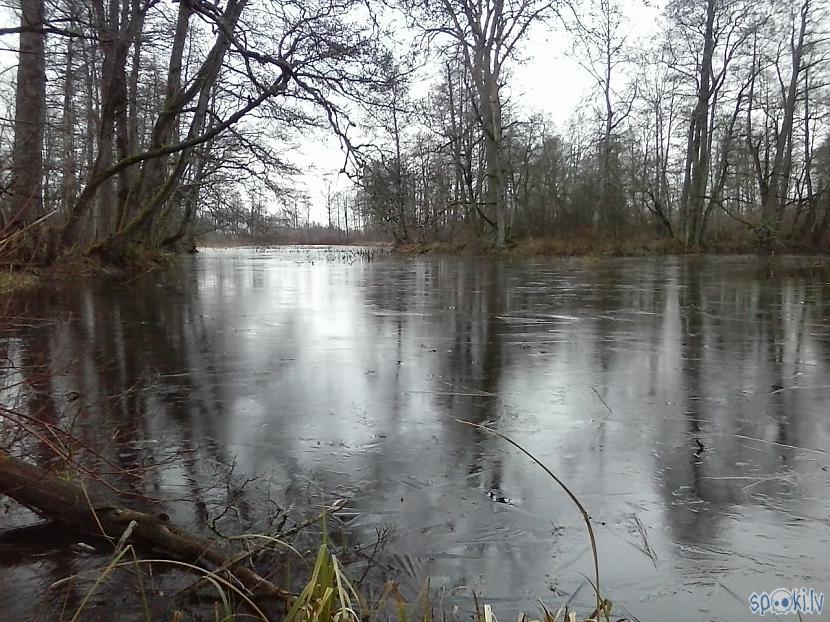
(714, 129)
(139, 124)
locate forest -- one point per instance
(147, 125)
(715, 129)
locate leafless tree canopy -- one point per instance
(713, 130)
(144, 123)
(131, 116)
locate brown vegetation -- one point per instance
(587, 246)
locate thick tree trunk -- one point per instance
(699, 154)
(490, 104)
(115, 47)
(26, 188)
(133, 130)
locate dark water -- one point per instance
(685, 401)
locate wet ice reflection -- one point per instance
(684, 400)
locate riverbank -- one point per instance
(140, 261)
(220, 244)
(591, 247)
(18, 279)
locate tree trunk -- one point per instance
(772, 211)
(115, 47)
(490, 104)
(26, 190)
(699, 153)
(69, 184)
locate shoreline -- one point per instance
(14, 281)
(251, 244)
(550, 247)
(591, 248)
(73, 268)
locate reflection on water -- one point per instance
(683, 400)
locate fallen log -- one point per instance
(92, 515)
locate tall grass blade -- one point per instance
(586, 518)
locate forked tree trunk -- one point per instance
(772, 210)
(698, 153)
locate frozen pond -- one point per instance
(684, 400)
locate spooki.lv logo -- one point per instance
(783, 601)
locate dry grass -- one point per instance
(587, 245)
(331, 596)
(598, 246)
(16, 281)
(550, 247)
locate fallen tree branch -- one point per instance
(95, 517)
(265, 540)
(19, 232)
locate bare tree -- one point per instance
(487, 34)
(776, 182)
(26, 189)
(601, 42)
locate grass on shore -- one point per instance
(547, 247)
(135, 264)
(16, 281)
(330, 595)
(589, 245)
